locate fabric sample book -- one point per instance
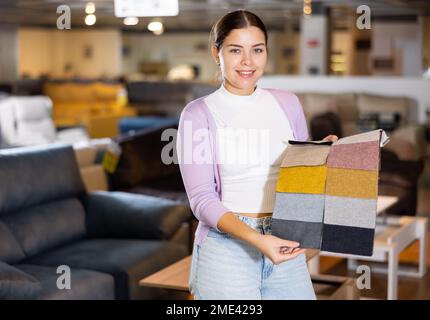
(326, 193)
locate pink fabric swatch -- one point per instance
(362, 155)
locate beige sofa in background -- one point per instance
(408, 141)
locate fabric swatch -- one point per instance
(308, 234)
(300, 207)
(326, 194)
(352, 183)
(350, 212)
(361, 155)
(374, 135)
(305, 155)
(302, 180)
(349, 240)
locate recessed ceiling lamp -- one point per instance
(307, 7)
(131, 21)
(90, 20)
(90, 8)
(159, 32)
(156, 27)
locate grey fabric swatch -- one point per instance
(299, 206)
(308, 234)
(351, 212)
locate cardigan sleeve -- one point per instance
(197, 167)
(300, 121)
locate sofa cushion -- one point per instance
(174, 195)
(36, 132)
(349, 128)
(368, 103)
(140, 159)
(32, 108)
(325, 124)
(127, 260)
(46, 226)
(84, 284)
(22, 185)
(126, 215)
(316, 104)
(345, 104)
(16, 284)
(10, 250)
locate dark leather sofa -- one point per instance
(141, 170)
(109, 240)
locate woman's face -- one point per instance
(242, 59)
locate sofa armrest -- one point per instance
(126, 215)
(413, 134)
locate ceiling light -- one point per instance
(155, 26)
(131, 21)
(90, 8)
(90, 20)
(159, 32)
(307, 9)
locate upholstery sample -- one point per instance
(306, 155)
(326, 195)
(300, 207)
(361, 155)
(304, 179)
(352, 183)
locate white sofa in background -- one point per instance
(27, 121)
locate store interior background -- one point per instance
(310, 50)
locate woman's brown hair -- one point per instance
(237, 19)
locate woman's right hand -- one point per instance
(278, 250)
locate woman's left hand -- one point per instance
(332, 138)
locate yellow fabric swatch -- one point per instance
(302, 179)
(352, 183)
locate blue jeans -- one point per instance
(224, 267)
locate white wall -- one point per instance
(45, 51)
(415, 88)
(404, 39)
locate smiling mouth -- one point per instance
(246, 73)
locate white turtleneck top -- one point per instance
(252, 132)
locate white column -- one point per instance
(313, 44)
(8, 53)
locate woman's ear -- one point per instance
(215, 54)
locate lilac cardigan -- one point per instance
(202, 180)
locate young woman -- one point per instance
(234, 255)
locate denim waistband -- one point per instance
(260, 224)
